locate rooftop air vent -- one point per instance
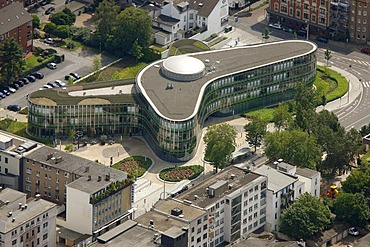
(37, 197)
(49, 156)
(232, 176)
(176, 211)
(13, 219)
(195, 197)
(99, 178)
(19, 205)
(280, 160)
(10, 213)
(89, 178)
(107, 177)
(200, 4)
(87, 168)
(25, 206)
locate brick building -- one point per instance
(359, 29)
(298, 14)
(15, 22)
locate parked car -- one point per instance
(60, 83)
(14, 108)
(38, 75)
(75, 75)
(44, 2)
(15, 85)
(51, 65)
(49, 10)
(19, 83)
(47, 87)
(10, 89)
(25, 81)
(228, 29)
(302, 33)
(2, 96)
(4, 91)
(276, 26)
(31, 78)
(49, 41)
(366, 51)
(353, 231)
(52, 84)
(288, 30)
(69, 76)
(322, 40)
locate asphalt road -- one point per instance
(80, 61)
(249, 30)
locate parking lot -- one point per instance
(79, 61)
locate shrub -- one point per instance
(40, 59)
(69, 148)
(176, 174)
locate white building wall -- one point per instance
(312, 186)
(79, 211)
(9, 163)
(146, 195)
(220, 12)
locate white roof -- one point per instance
(5, 138)
(183, 65)
(275, 180)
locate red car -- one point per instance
(366, 51)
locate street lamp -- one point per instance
(307, 29)
(349, 80)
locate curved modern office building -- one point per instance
(172, 98)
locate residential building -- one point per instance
(339, 17)
(311, 179)
(96, 197)
(359, 30)
(16, 22)
(169, 100)
(26, 222)
(12, 149)
(4, 3)
(238, 4)
(312, 14)
(177, 17)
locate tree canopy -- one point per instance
(220, 144)
(105, 15)
(35, 21)
(358, 181)
(305, 217)
(255, 132)
(64, 17)
(11, 56)
(352, 209)
(282, 118)
(296, 147)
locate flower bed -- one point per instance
(134, 166)
(177, 174)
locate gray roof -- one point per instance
(189, 212)
(80, 166)
(164, 19)
(305, 172)
(13, 16)
(174, 232)
(241, 178)
(34, 209)
(136, 236)
(276, 180)
(182, 102)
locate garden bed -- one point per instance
(134, 166)
(177, 174)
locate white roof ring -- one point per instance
(183, 68)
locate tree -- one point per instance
(105, 16)
(62, 31)
(358, 181)
(265, 35)
(137, 51)
(352, 209)
(133, 26)
(305, 217)
(282, 117)
(50, 28)
(11, 58)
(35, 21)
(323, 100)
(220, 144)
(328, 56)
(305, 108)
(255, 132)
(296, 147)
(64, 17)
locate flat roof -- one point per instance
(306, 172)
(276, 180)
(240, 178)
(189, 212)
(109, 235)
(161, 222)
(182, 102)
(136, 236)
(77, 165)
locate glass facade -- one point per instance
(177, 140)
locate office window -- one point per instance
(6, 160)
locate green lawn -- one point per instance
(129, 72)
(265, 113)
(158, 48)
(64, 44)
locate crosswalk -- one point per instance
(360, 62)
(366, 83)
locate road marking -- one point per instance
(366, 83)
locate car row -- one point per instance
(72, 76)
(55, 84)
(301, 32)
(7, 90)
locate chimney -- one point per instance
(7, 202)
(13, 219)
(49, 156)
(10, 213)
(107, 177)
(22, 208)
(19, 205)
(25, 206)
(58, 159)
(89, 178)
(99, 178)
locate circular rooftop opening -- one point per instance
(183, 68)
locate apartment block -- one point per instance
(26, 222)
(16, 22)
(359, 30)
(301, 14)
(339, 17)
